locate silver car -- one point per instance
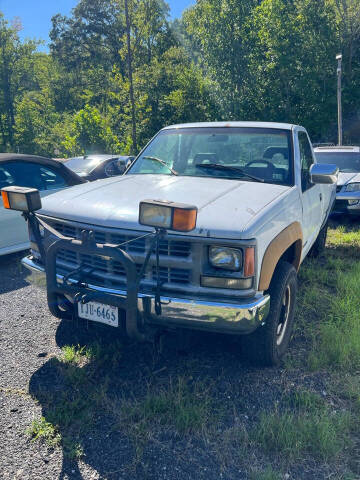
(347, 158)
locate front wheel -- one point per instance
(267, 345)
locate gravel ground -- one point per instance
(30, 338)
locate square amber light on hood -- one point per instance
(168, 215)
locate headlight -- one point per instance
(226, 258)
(352, 187)
(168, 215)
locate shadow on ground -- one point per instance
(12, 275)
(103, 413)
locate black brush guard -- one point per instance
(80, 290)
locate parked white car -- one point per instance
(347, 158)
(256, 204)
(42, 173)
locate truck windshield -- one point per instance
(249, 154)
(348, 162)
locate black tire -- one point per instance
(267, 345)
(319, 245)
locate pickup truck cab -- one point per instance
(262, 206)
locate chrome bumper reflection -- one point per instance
(218, 317)
(348, 196)
(242, 317)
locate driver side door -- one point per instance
(311, 193)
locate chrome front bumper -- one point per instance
(238, 318)
(342, 204)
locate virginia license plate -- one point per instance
(99, 312)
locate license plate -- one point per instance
(99, 312)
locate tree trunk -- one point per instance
(132, 101)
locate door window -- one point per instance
(306, 160)
(26, 174)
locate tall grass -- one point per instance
(337, 342)
(305, 425)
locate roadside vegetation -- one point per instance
(272, 60)
(310, 421)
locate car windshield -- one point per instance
(251, 154)
(83, 164)
(348, 162)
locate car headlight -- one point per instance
(226, 258)
(352, 187)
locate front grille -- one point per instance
(110, 273)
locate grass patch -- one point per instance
(304, 425)
(268, 474)
(338, 342)
(184, 408)
(75, 355)
(70, 409)
(328, 306)
(41, 429)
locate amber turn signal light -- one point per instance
(249, 262)
(5, 199)
(168, 215)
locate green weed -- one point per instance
(44, 430)
(75, 355)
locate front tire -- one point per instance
(268, 344)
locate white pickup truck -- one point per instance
(227, 262)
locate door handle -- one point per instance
(320, 196)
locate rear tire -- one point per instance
(319, 245)
(268, 344)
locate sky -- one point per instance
(35, 15)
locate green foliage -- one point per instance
(338, 342)
(42, 429)
(186, 409)
(75, 355)
(271, 60)
(309, 426)
(90, 133)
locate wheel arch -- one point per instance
(287, 245)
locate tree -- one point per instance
(15, 77)
(90, 133)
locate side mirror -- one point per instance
(323, 173)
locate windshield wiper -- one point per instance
(174, 172)
(219, 166)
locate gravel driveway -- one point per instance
(31, 341)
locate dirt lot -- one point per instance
(79, 401)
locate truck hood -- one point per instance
(345, 178)
(225, 207)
